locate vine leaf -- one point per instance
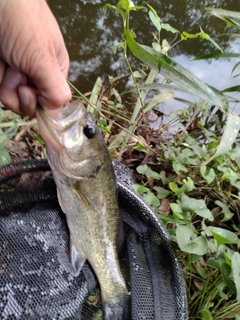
(229, 135)
(236, 272)
(189, 242)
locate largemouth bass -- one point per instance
(86, 186)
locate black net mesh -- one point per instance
(36, 276)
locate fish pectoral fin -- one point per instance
(81, 194)
(77, 260)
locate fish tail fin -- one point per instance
(116, 302)
(117, 311)
(77, 260)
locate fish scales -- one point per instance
(86, 185)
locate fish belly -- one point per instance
(93, 230)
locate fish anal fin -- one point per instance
(77, 260)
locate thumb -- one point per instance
(52, 99)
(53, 90)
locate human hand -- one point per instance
(34, 61)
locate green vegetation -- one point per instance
(189, 169)
(196, 191)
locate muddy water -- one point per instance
(89, 32)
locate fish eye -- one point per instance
(89, 131)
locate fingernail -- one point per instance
(12, 78)
(24, 97)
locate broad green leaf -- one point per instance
(188, 185)
(177, 210)
(169, 28)
(151, 199)
(221, 286)
(4, 156)
(187, 156)
(116, 46)
(189, 242)
(235, 183)
(213, 263)
(103, 126)
(206, 314)
(225, 210)
(124, 4)
(201, 271)
(228, 173)
(161, 192)
(236, 272)
(138, 74)
(197, 206)
(207, 174)
(223, 236)
(212, 145)
(155, 175)
(3, 139)
(173, 186)
(139, 189)
(199, 151)
(165, 179)
(167, 219)
(128, 5)
(98, 315)
(138, 146)
(229, 135)
(165, 46)
(177, 167)
(158, 98)
(173, 71)
(212, 245)
(144, 169)
(109, 6)
(155, 20)
(226, 273)
(156, 46)
(40, 139)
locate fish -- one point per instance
(87, 193)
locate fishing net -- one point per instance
(36, 277)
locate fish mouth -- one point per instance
(62, 129)
(63, 133)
